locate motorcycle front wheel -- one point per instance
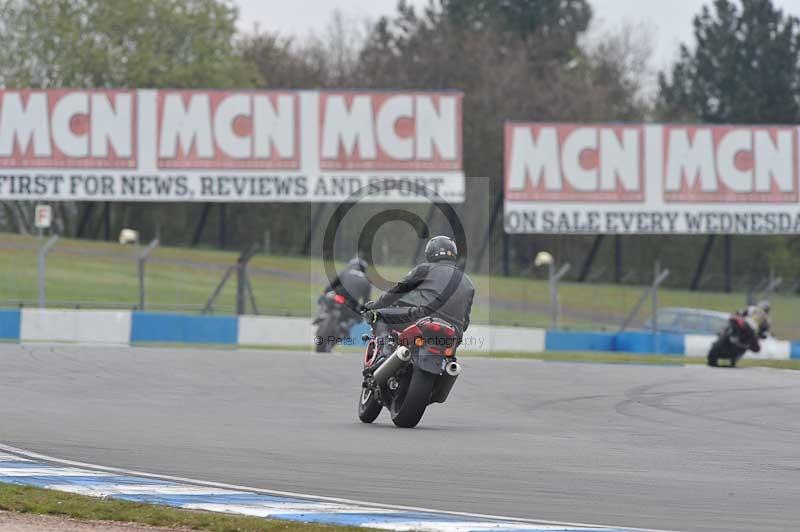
(368, 406)
(407, 408)
(324, 332)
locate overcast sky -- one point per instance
(669, 21)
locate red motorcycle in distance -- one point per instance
(405, 371)
(733, 342)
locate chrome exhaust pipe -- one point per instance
(392, 365)
(446, 382)
(453, 369)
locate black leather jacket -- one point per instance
(437, 289)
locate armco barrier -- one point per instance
(275, 331)
(81, 326)
(771, 349)
(579, 341)
(149, 327)
(626, 342)
(9, 325)
(123, 327)
(643, 342)
(483, 338)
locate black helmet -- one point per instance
(357, 263)
(441, 248)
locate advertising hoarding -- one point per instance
(229, 146)
(651, 179)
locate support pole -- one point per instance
(141, 264)
(506, 254)
(101, 224)
(223, 225)
(555, 302)
(660, 277)
(210, 303)
(587, 266)
(701, 265)
(43, 251)
(241, 288)
(312, 229)
(728, 260)
(251, 295)
(420, 243)
(241, 279)
(497, 209)
(338, 218)
(201, 224)
(107, 221)
(86, 215)
(618, 259)
(654, 309)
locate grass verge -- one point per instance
(629, 358)
(25, 499)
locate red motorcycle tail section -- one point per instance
(439, 337)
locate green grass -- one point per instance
(98, 274)
(629, 358)
(39, 501)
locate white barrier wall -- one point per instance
(276, 331)
(81, 326)
(268, 330)
(772, 349)
(482, 338)
(698, 345)
(116, 327)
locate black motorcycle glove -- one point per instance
(370, 316)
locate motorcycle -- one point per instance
(405, 371)
(334, 319)
(733, 342)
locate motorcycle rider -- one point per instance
(757, 320)
(437, 288)
(353, 284)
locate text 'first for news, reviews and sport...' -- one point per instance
(268, 146)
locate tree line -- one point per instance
(532, 60)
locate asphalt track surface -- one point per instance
(678, 448)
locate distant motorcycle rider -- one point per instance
(756, 317)
(437, 288)
(353, 284)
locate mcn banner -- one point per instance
(651, 179)
(172, 145)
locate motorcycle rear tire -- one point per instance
(368, 406)
(408, 411)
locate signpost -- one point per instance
(43, 217)
(42, 256)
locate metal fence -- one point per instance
(86, 274)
